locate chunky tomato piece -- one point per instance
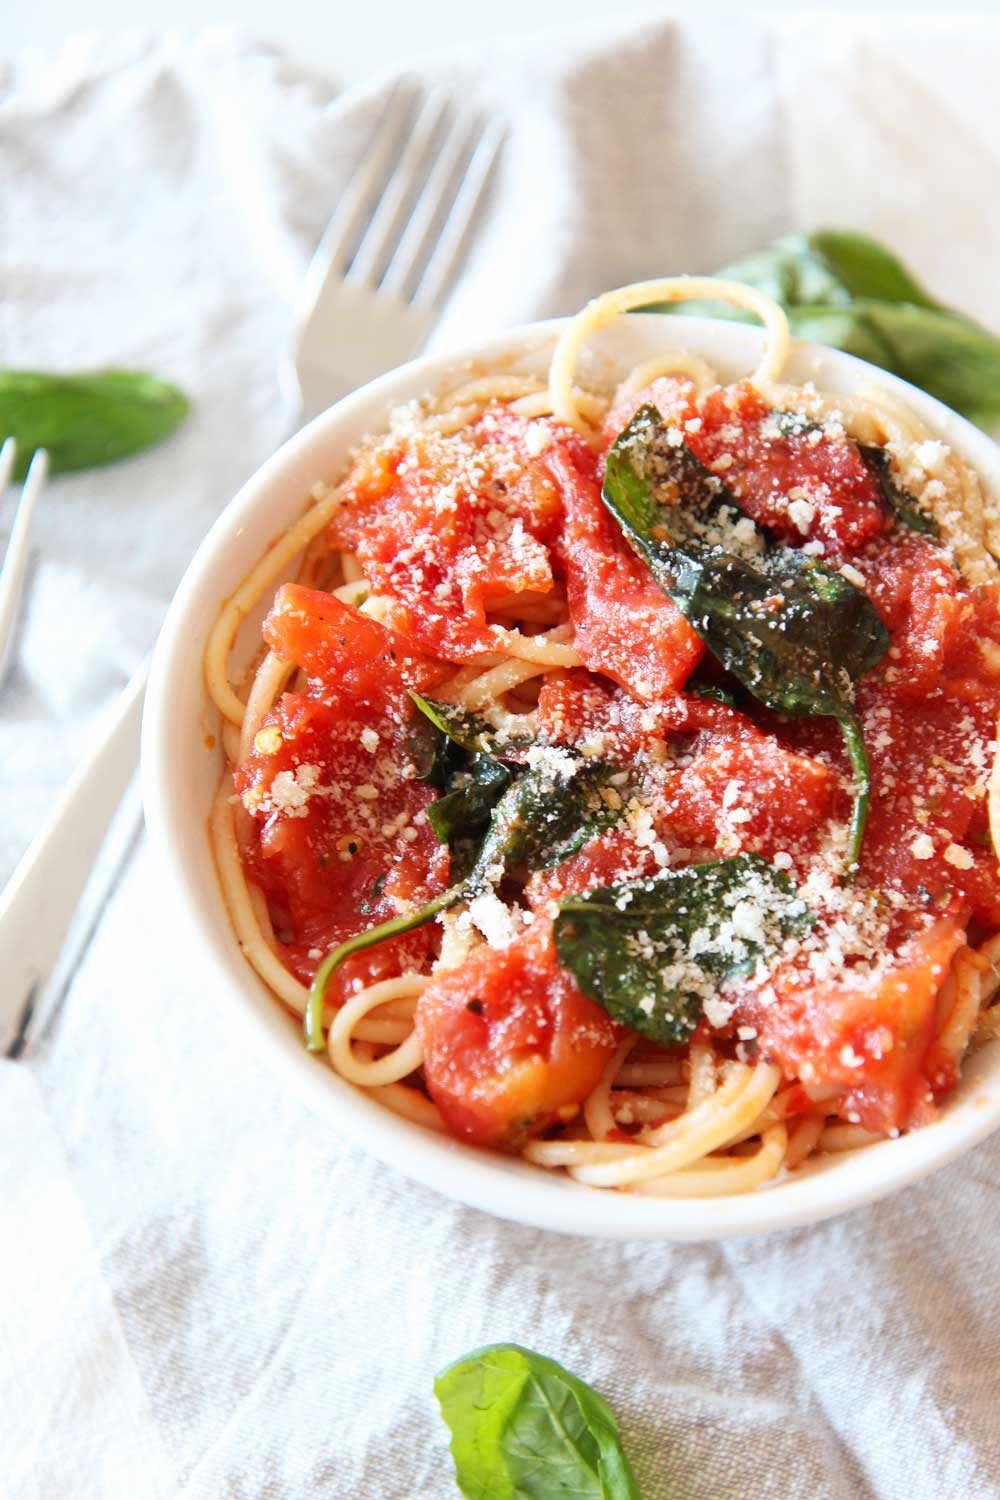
(748, 792)
(929, 715)
(710, 778)
(510, 1043)
(446, 527)
(810, 484)
(578, 708)
(342, 840)
(867, 1031)
(344, 649)
(767, 467)
(936, 625)
(623, 624)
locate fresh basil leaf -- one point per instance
(904, 506)
(524, 1428)
(832, 266)
(543, 817)
(84, 421)
(859, 266)
(798, 635)
(848, 291)
(827, 269)
(652, 951)
(944, 353)
(844, 328)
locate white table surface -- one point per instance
(353, 42)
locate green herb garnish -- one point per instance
(652, 951)
(905, 507)
(798, 635)
(465, 763)
(846, 290)
(470, 731)
(523, 1428)
(84, 421)
(462, 814)
(543, 817)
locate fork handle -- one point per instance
(15, 561)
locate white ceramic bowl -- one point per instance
(180, 775)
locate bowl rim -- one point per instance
(507, 1187)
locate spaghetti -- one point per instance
(465, 558)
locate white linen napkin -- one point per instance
(203, 1293)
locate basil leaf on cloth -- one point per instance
(846, 290)
(524, 1428)
(84, 421)
(652, 952)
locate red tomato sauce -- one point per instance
(449, 529)
(341, 839)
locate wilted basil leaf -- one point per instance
(798, 635)
(652, 951)
(543, 817)
(663, 493)
(471, 731)
(548, 814)
(461, 816)
(904, 506)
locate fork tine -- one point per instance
(16, 557)
(331, 253)
(433, 200)
(449, 245)
(377, 243)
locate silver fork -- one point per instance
(372, 293)
(369, 301)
